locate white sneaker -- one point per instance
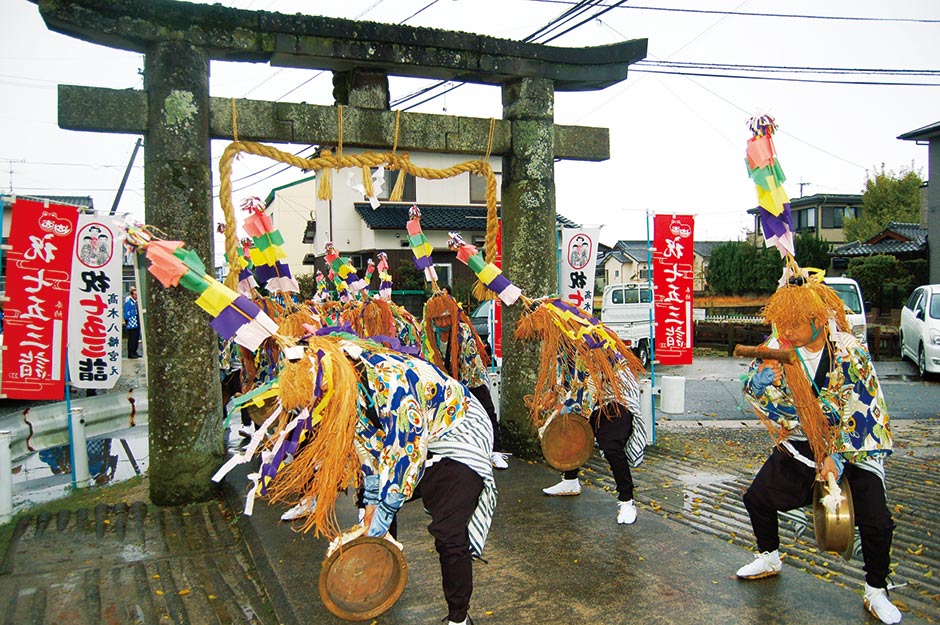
(877, 602)
(564, 488)
(626, 512)
(305, 507)
(498, 460)
(764, 565)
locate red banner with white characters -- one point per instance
(42, 237)
(673, 263)
(96, 307)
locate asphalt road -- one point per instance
(713, 390)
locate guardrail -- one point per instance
(45, 426)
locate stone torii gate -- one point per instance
(178, 118)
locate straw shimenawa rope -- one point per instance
(327, 162)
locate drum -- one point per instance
(363, 579)
(835, 531)
(567, 441)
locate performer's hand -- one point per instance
(776, 367)
(827, 466)
(367, 516)
(354, 532)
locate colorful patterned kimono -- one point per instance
(851, 399)
(471, 370)
(418, 409)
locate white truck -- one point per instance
(627, 309)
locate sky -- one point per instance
(677, 142)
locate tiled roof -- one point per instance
(71, 200)
(915, 235)
(637, 249)
(390, 216)
(433, 217)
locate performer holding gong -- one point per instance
(826, 410)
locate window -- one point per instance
(616, 296)
(478, 188)
(804, 220)
(834, 216)
(644, 273)
(443, 274)
(408, 193)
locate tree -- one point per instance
(888, 197)
(308, 285)
(738, 267)
(811, 251)
(884, 280)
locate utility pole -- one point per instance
(11, 161)
(803, 184)
(127, 173)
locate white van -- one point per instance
(851, 295)
(627, 309)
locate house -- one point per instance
(359, 232)
(930, 136)
(901, 240)
(822, 214)
(85, 204)
(628, 261)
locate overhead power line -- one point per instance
(796, 69)
(784, 79)
(846, 18)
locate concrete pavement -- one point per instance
(549, 560)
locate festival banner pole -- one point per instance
(649, 281)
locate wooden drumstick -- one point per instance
(765, 353)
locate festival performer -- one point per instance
(417, 433)
(828, 416)
(460, 352)
(587, 370)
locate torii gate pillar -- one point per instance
(528, 199)
(186, 436)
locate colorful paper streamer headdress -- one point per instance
(267, 253)
(420, 245)
(764, 169)
(488, 273)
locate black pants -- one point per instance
(482, 393)
(612, 430)
(450, 491)
(133, 342)
(786, 484)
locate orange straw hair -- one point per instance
(328, 463)
(813, 304)
(561, 342)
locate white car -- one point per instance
(920, 329)
(851, 295)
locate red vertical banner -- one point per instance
(673, 262)
(42, 238)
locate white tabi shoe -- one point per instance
(626, 512)
(305, 507)
(877, 602)
(564, 488)
(498, 460)
(764, 565)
